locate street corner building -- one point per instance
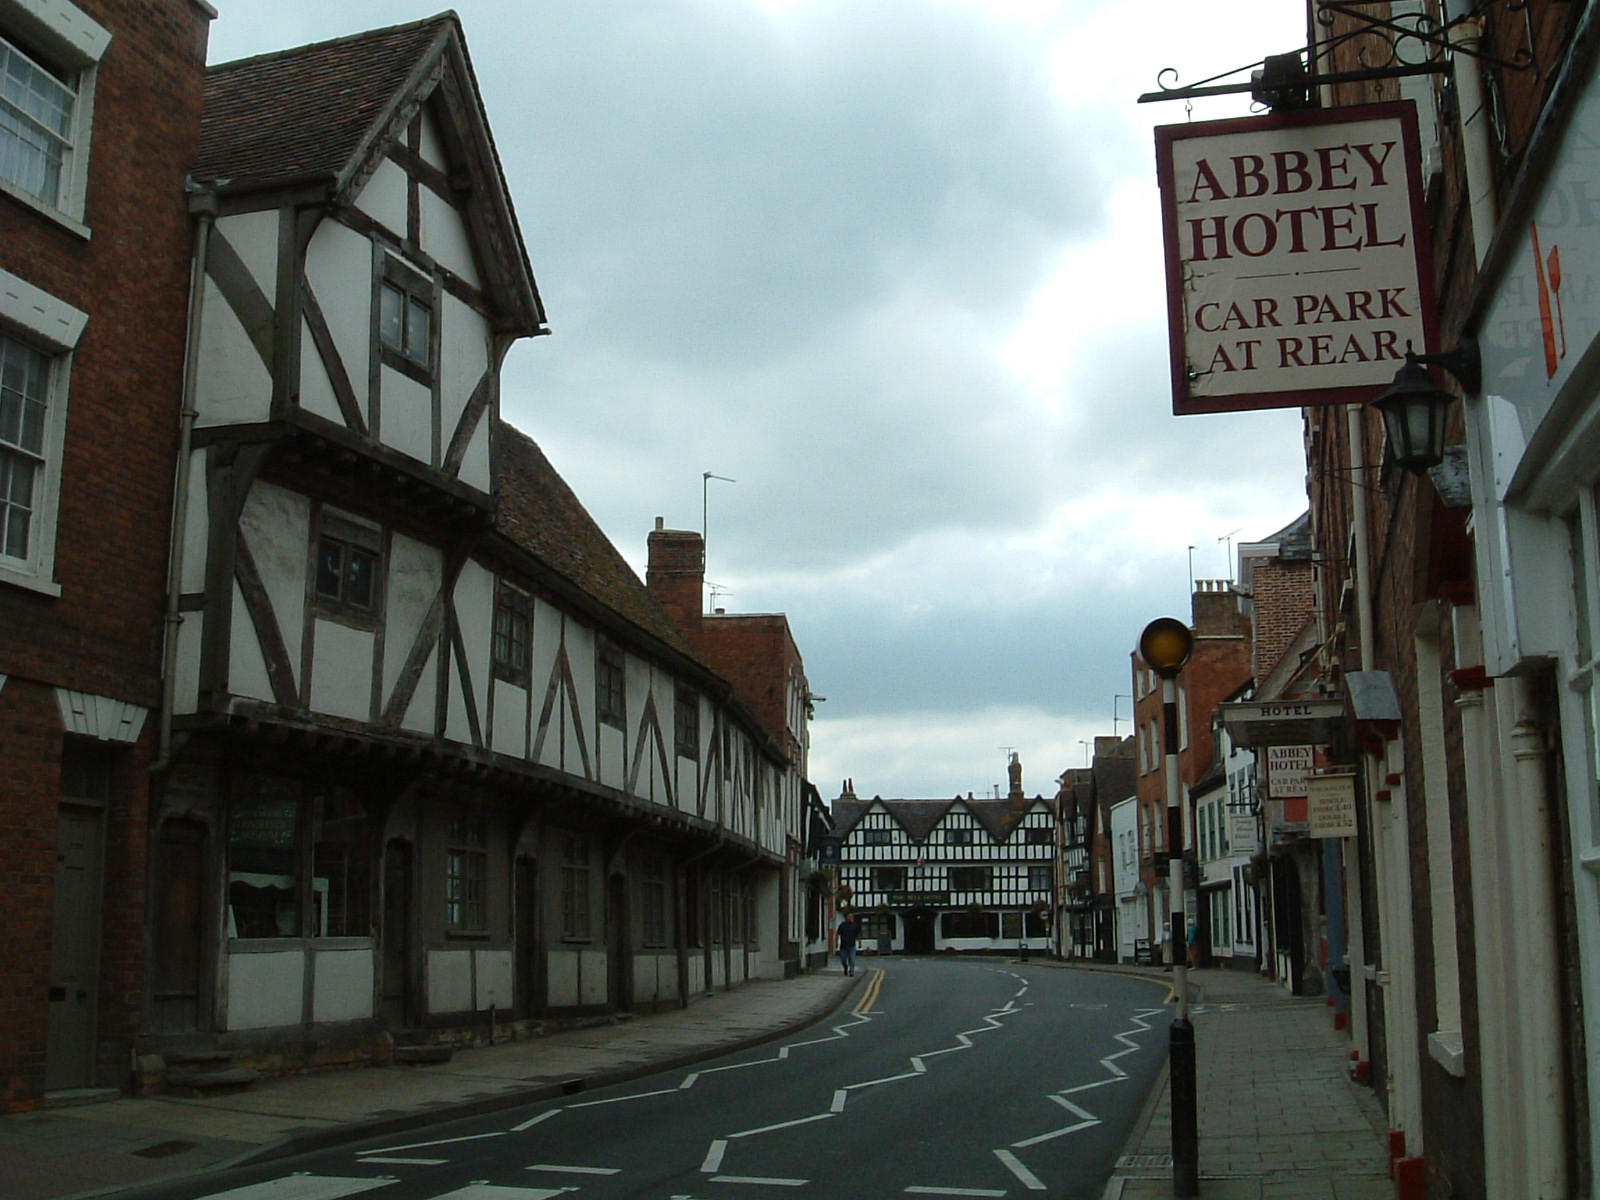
(388, 745)
(959, 875)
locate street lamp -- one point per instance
(1413, 408)
(1165, 646)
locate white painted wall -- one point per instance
(384, 197)
(416, 573)
(339, 271)
(342, 986)
(266, 989)
(341, 672)
(449, 980)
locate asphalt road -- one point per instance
(941, 1078)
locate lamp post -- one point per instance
(1165, 646)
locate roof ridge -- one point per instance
(448, 16)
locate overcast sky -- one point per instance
(893, 266)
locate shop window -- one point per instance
(466, 873)
(513, 634)
(299, 862)
(1010, 926)
(970, 924)
(876, 926)
(575, 877)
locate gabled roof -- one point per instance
(919, 818)
(325, 114)
(539, 514)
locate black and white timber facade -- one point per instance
(927, 876)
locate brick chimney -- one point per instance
(676, 575)
(1014, 770)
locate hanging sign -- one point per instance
(1288, 768)
(1297, 256)
(1331, 805)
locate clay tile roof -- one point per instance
(308, 112)
(539, 513)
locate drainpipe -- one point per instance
(202, 204)
(1475, 137)
(1358, 954)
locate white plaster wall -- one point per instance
(474, 604)
(449, 981)
(580, 654)
(592, 977)
(316, 388)
(495, 974)
(697, 973)
(232, 384)
(407, 417)
(420, 713)
(342, 983)
(546, 646)
(265, 990)
(339, 270)
(562, 978)
(247, 669)
(475, 464)
(416, 571)
(186, 692)
(464, 357)
(431, 148)
(254, 237)
(444, 237)
(510, 735)
(614, 746)
(341, 671)
(275, 522)
(197, 526)
(384, 197)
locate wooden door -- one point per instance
(175, 971)
(75, 949)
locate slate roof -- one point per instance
(541, 515)
(919, 817)
(309, 112)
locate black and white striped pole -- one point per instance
(1165, 646)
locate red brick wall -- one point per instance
(1284, 600)
(102, 634)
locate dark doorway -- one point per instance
(530, 951)
(620, 943)
(398, 1007)
(175, 969)
(919, 931)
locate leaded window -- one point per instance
(575, 875)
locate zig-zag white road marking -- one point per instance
(1086, 1119)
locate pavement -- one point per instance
(1279, 1116)
(1279, 1120)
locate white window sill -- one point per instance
(33, 583)
(1449, 1051)
(70, 224)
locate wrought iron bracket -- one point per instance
(1390, 50)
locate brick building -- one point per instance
(1218, 664)
(102, 104)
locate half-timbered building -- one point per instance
(438, 763)
(959, 875)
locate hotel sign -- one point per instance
(1332, 806)
(1297, 256)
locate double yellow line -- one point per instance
(869, 998)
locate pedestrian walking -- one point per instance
(849, 933)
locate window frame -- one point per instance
(686, 722)
(576, 905)
(974, 871)
(417, 290)
(41, 323)
(610, 684)
(466, 874)
(353, 539)
(65, 43)
(512, 629)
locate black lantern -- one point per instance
(1414, 407)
